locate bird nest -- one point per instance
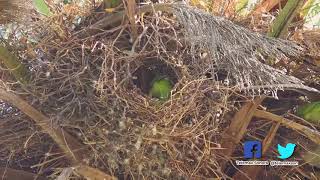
(95, 86)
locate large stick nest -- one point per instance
(96, 88)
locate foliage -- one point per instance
(244, 7)
(281, 23)
(42, 7)
(311, 14)
(20, 72)
(310, 112)
(202, 4)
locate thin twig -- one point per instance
(311, 134)
(65, 141)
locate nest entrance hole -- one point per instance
(150, 69)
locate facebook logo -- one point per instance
(252, 149)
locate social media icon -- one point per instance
(286, 152)
(252, 149)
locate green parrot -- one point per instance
(310, 112)
(161, 88)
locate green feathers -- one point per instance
(161, 88)
(310, 112)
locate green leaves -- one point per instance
(11, 61)
(42, 7)
(241, 7)
(310, 12)
(310, 112)
(281, 23)
(161, 88)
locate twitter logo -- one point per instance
(286, 152)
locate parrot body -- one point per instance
(161, 88)
(310, 112)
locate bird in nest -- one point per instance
(161, 87)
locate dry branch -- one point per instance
(311, 134)
(93, 173)
(265, 6)
(65, 141)
(270, 136)
(253, 171)
(233, 135)
(224, 7)
(70, 146)
(116, 18)
(130, 9)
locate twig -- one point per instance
(118, 17)
(130, 9)
(265, 6)
(13, 174)
(223, 7)
(311, 134)
(253, 171)
(63, 139)
(73, 149)
(238, 127)
(93, 173)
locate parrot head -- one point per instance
(161, 88)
